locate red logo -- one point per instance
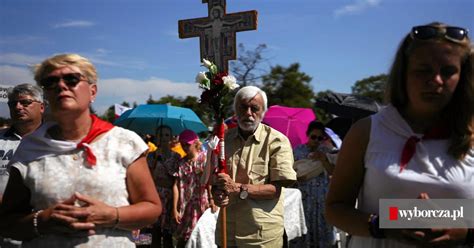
(393, 213)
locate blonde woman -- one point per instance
(77, 181)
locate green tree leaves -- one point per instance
(288, 86)
(372, 87)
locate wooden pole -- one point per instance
(224, 227)
(222, 169)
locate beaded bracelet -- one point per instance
(374, 228)
(35, 222)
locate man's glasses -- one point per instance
(455, 34)
(318, 138)
(25, 103)
(70, 79)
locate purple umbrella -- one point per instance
(292, 122)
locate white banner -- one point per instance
(4, 92)
(120, 109)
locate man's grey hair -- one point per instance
(26, 89)
(249, 92)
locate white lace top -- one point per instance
(55, 174)
(431, 170)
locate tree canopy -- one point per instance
(247, 68)
(372, 87)
(288, 86)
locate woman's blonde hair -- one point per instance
(460, 109)
(50, 64)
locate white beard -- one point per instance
(248, 126)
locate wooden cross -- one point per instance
(217, 32)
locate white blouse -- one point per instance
(431, 170)
(56, 173)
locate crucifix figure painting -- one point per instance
(217, 31)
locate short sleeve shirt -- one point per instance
(9, 141)
(57, 176)
(266, 156)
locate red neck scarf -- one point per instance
(98, 127)
(409, 149)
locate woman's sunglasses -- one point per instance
(455, 34)
(25, 103)
(70, 79)
(318, 138)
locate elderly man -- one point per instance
(260, 162)
(25, 102)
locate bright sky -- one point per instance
(135, 44)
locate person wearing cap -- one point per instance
(259, 162)
(190, 195)
(314, 163)
(26, 105)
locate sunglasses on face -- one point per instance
(318, 138)
(455, 34)
(70, 79)
(25, 103)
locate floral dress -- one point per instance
(193, 199)
(165, 168)
(314, 191)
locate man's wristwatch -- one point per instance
(244, 192)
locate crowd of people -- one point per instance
(69, 179)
